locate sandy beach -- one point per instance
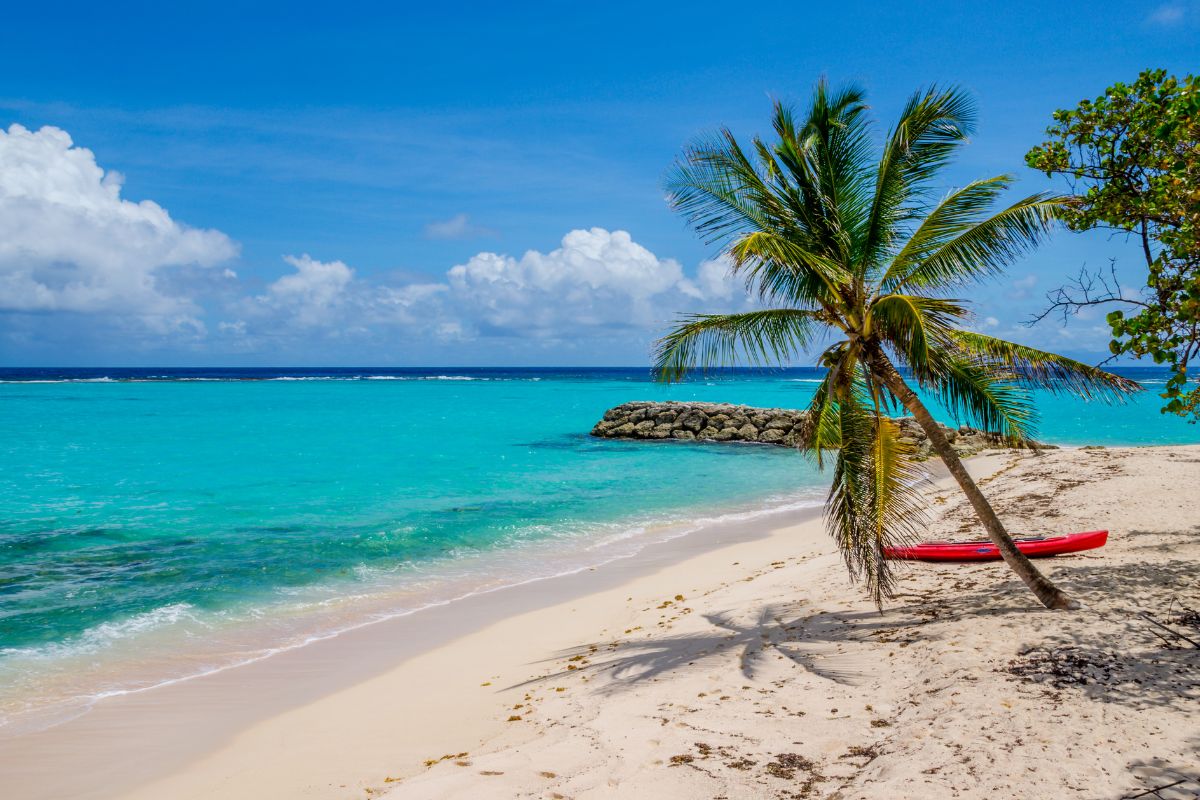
(728, 664)
(576, 403)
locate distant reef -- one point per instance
(723, 422)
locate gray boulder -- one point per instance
(722, 422)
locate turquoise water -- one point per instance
(139, 517)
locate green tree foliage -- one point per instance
(841, 238)
(1132, 158)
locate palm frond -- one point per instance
(837, 135)
(897, 509)
(782, 269)
(918, 328)
(874, 502)
(708, 341)
(956, 213)
(1029, 366)
(981, 249)
(769, 212)
(789, 168)
(847, 506)
(824, 424)
(979, 396)
(933, 124)
(720, 191)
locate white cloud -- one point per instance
(457, 227)
(596, 278)
(713, 281)
(312, 294)
(1167, 14)
(119, 269)
(597, 283)
(326, 297)
(69, 242)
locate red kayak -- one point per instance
(1033, 546)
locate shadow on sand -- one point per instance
(811, 642)
(1120, 661)
(1163, 781)
(1132, 667)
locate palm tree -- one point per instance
(835, 242)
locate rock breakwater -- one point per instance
(724, 422)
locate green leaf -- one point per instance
(708, 341)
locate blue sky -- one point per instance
(328, 182)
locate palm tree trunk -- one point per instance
(1050, 595)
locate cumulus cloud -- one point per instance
(127, 273)
(327, 297)
(596, 278)
(70, 242)
(313, 293)
(713, 282)
(457, 227)
(597, 283)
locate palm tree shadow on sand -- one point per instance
(1136, 669)
(814, 642)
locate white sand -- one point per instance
(772, 677)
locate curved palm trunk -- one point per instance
(1050, 595)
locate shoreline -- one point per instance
(445, 583)
(78, 745)
(684, 672)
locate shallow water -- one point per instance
(155, 524)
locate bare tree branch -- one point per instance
(1088, 288)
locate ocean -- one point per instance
(157, 524)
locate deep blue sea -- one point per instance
(158, 523)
